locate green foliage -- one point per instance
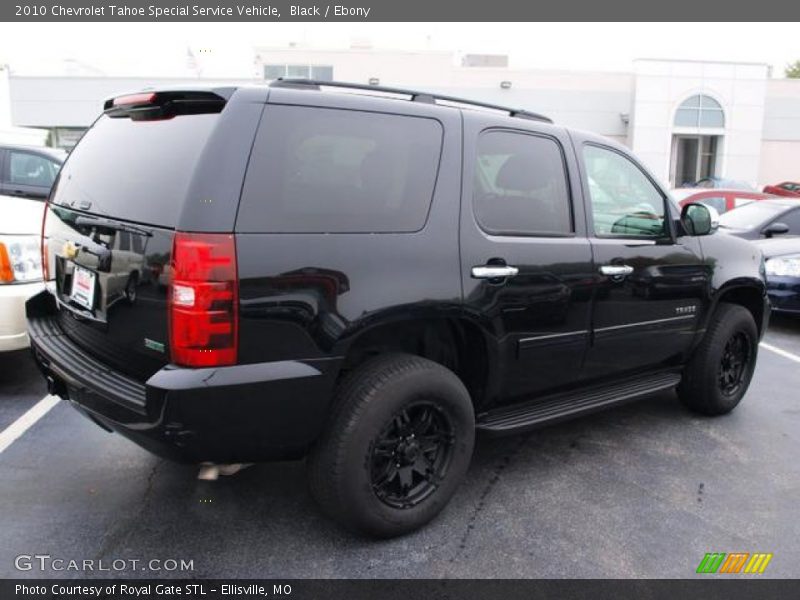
(793, 70)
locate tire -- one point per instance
(708, 387)
(350, 467)
(130, 288)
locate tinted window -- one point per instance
(521, 185)
(750, 216)
(25, 168)
(792, 219)
(624, 200)
(317, 170)
(135, 170)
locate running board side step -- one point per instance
(512, 419)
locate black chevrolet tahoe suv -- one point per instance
(366, 277)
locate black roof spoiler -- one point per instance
(166, 103)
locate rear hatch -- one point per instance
(111, 220)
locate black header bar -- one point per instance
(398, 11)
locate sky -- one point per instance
(226, 50)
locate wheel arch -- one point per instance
(452, 340)
(748, 293)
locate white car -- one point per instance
(26, 175)
(20, 267)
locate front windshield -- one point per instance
(750, 216)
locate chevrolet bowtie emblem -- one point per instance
(70, 250)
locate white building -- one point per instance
(684, 119)
(8, 133)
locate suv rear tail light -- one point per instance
(203, 300)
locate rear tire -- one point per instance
(130, 288)
(719, 373)
(396, 447)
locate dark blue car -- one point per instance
(782, 263)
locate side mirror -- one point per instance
(776, 228)
(699, 219)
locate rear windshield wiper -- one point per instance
(112, 225)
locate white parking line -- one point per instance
(781, 352)
(14, 431)
(26, 421)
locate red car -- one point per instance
(787, 188)
(723, 200)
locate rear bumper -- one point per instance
(244, 413)
(13, 333)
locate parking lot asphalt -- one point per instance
(643, 490)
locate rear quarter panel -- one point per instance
(213, 196)
(308, 295)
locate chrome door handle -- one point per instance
(616, 270)
(494, 272)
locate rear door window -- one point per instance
(320, 170)
(521, 185)
(135, 170)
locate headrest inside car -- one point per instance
(520, 174)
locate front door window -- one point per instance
(625, 203)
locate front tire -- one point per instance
(397, 446)
(719, 373)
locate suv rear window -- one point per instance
(134, 170)
(319, 170)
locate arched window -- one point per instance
(700, 111)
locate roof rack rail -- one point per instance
(416, 96)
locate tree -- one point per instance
(793, 70)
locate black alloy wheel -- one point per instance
(411, 455)
(734, 364)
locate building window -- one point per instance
(700, 111)
(318, 72)
(65, 137)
